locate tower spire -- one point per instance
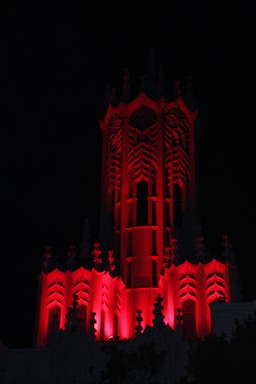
(189, 95)
(150, 79)
(228, 252)
(160, 81)
(71, 254)
(85, 244)
(126, 86)
(47, 256)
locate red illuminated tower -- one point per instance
(150, 240)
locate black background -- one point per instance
(56, 62)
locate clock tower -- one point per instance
(150, 243)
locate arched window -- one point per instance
(142, 203)
(142, 118)
(189, 319)
(53, 323)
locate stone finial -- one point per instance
(179, 322)
(177, 87)
(189, 95)
(151, 60)
(139, 319)
(85, 244)
(111, 260)
(126, 85)
(71, 254)
(160, 81)
(47, 256)
(169, 253)
(159, 317)
(143, 82)
(97, 259)
(200, 247)
(179, 316)
(75, 303)
(113, 97)
(71, 316)
(68, 324)
(93, 322)
(107, 98)
(150, 84)
(228, 252)
(167, 257)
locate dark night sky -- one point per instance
(56, 62)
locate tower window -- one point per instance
(129, 275)
(177, 206)
(154, 222)
(154, 278)
(154, 249)
(142, 118)
(142, 203)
